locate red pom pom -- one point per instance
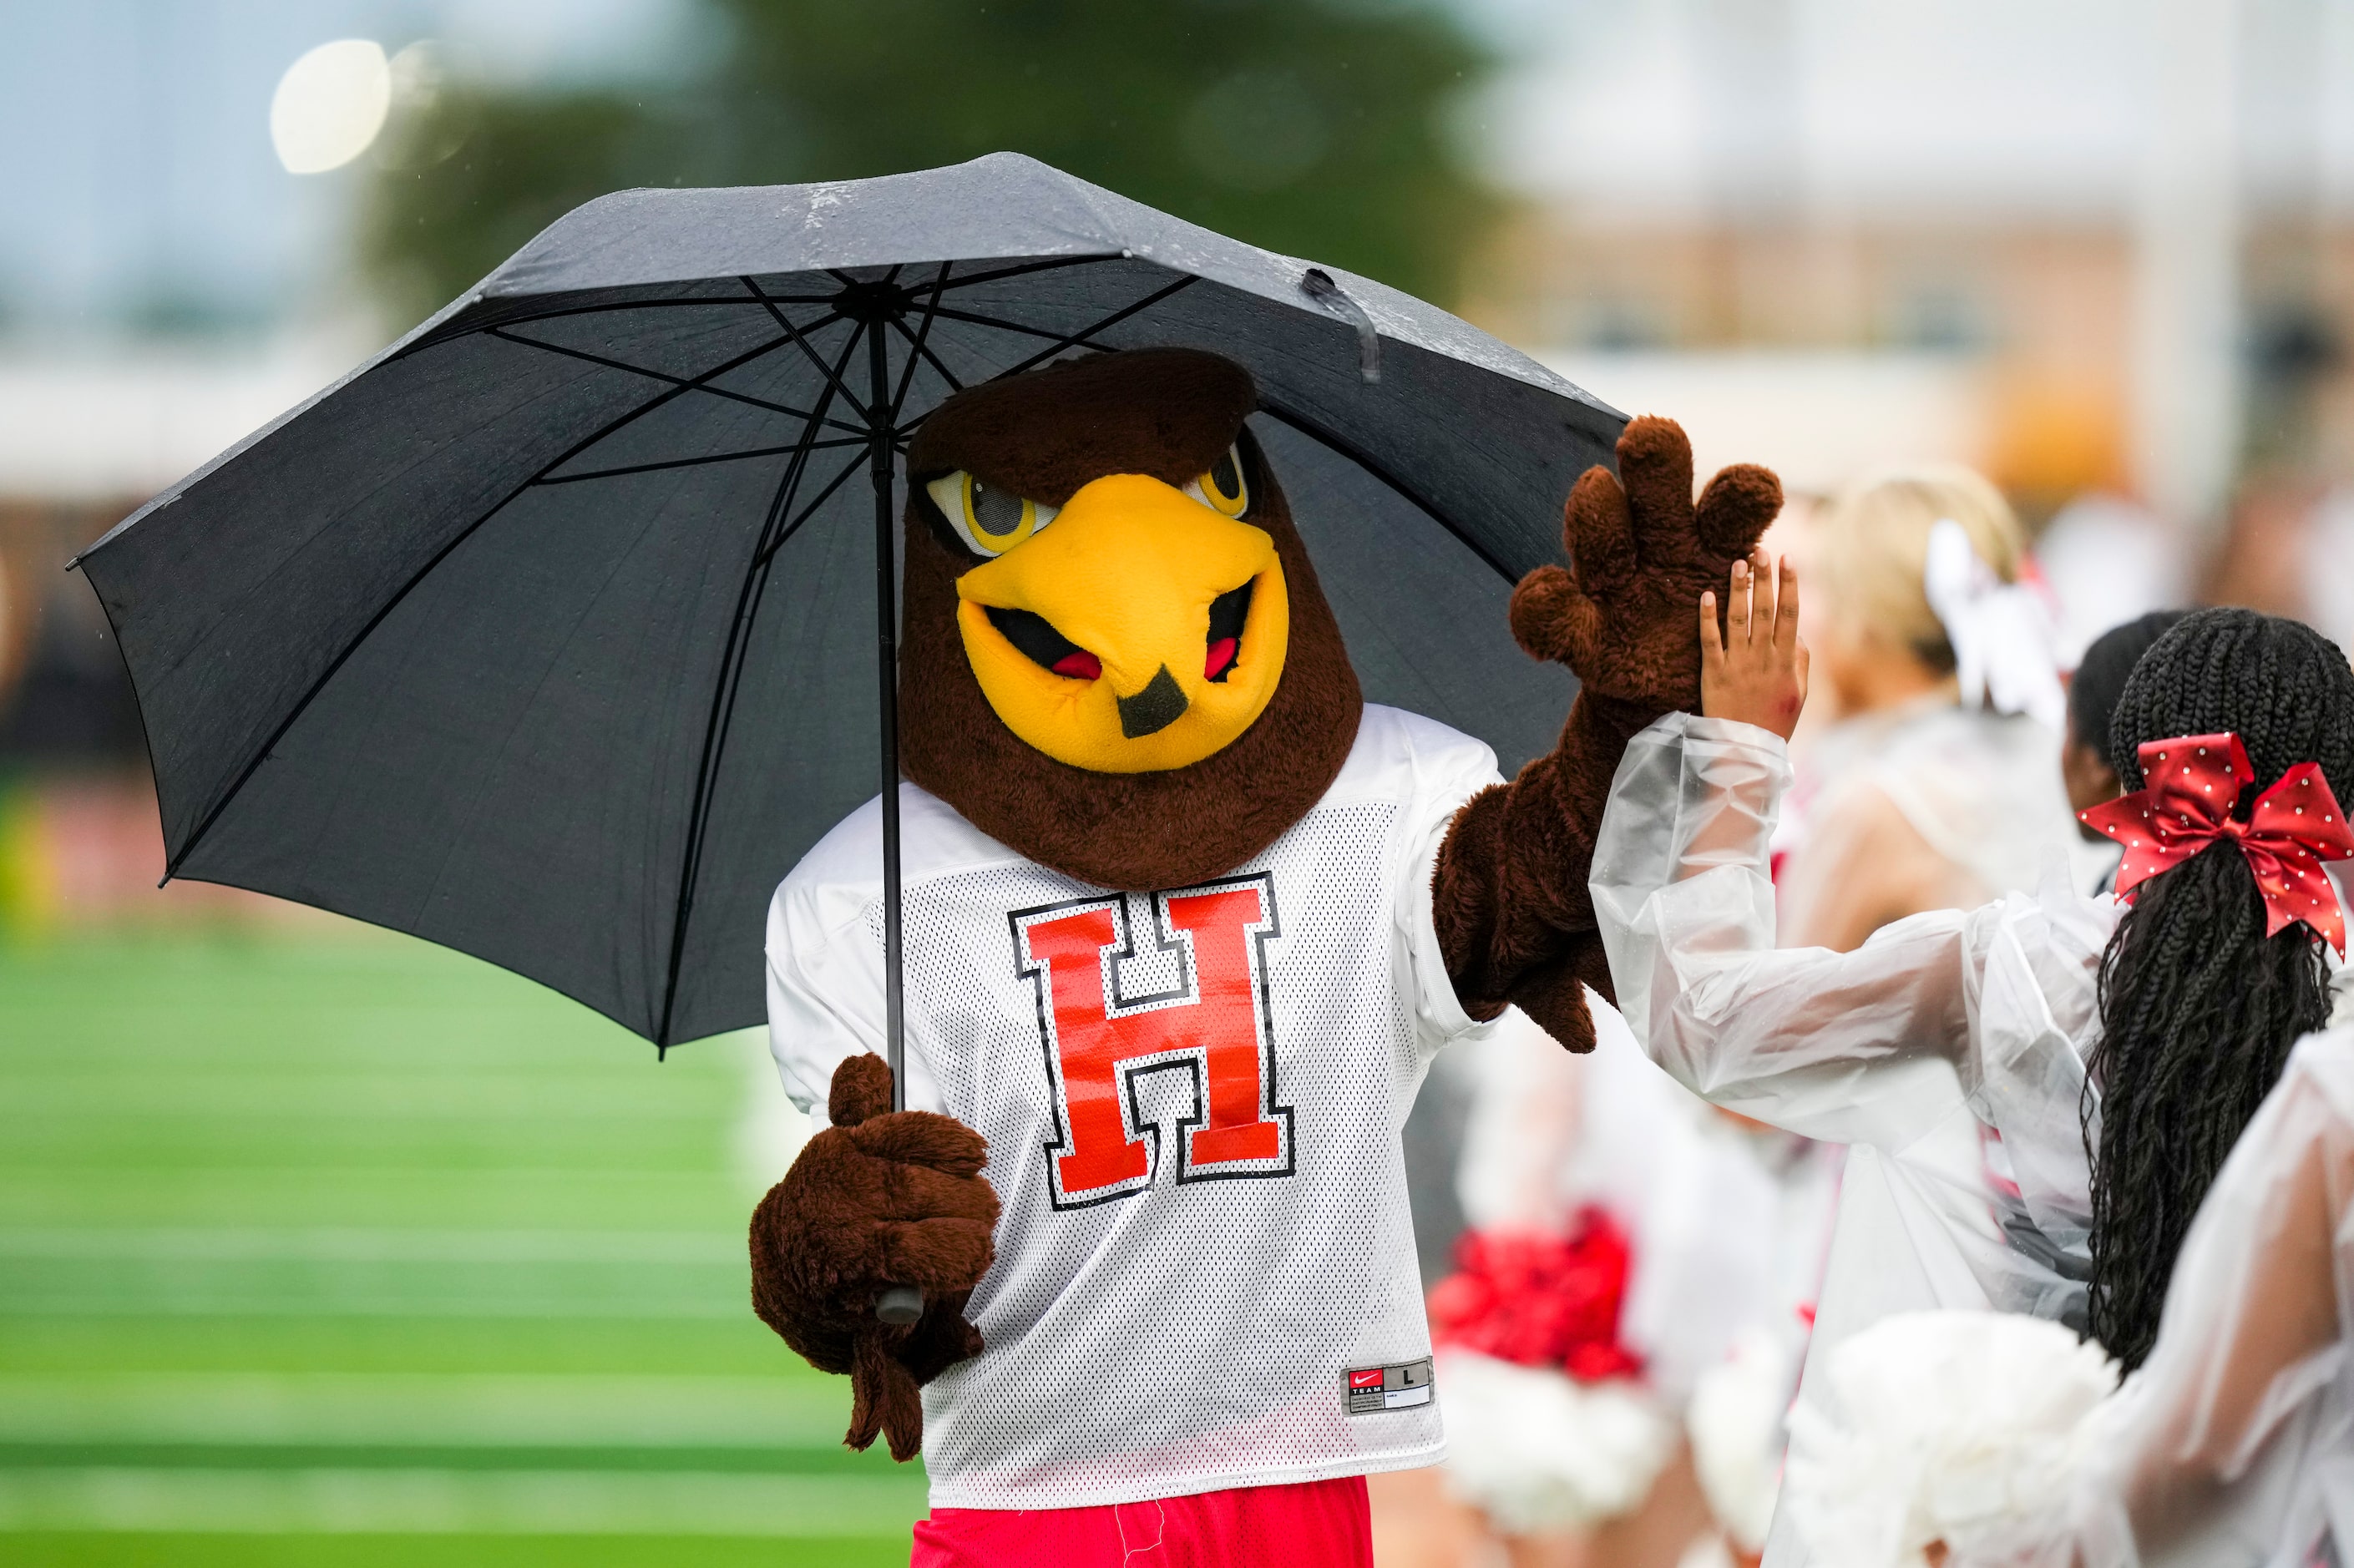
(1540, 1301)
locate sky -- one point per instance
(137, 182)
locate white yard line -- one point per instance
(259, 1244)
(347, 1272)
(442, 1502)
(495, 1410)
(222, 1304)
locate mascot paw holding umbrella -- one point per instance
(1185, 919)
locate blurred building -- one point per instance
(2100, 247)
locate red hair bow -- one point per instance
(2193, 784)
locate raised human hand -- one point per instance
(879, 1198)
(1643, 551)
(1752, 663)
(1510, 897)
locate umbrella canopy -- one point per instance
(549, 634)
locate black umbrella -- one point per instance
(545, 635)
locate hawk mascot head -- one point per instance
(1117, 657)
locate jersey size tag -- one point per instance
(1369, 1389)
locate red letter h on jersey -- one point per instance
(1099, 1042)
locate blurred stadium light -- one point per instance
(330, 105)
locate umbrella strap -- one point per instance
(1319, 286)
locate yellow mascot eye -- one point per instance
(990, 520)
(1222, 489)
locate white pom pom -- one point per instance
(1735, 1422)
(1539, 1452)
(1953, 1427)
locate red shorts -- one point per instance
(1313, 1524)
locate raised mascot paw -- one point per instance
(1642, 552)
(879, 1198)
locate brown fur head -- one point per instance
(1167, 414)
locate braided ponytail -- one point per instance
(2199, 1007)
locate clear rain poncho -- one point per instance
(1947, 1052)
(2233, 1446)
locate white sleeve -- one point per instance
(825, 988)
(1445, 776)
(1856, 1047)
(2235, 1427)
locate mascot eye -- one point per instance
(989, 519)
(1222, 489)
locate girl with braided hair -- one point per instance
(2227, 1445)
(2115, 1048)
(2199, 1005)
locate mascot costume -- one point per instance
(1185, 919)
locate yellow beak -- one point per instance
(1128, 572)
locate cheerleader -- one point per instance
(2109, 1052)
(1938, 784)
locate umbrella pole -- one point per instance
(894, 1303)
(886, 669)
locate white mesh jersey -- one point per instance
(1191, 1099)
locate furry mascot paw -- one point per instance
(1509, 896)
(1643, 552)
(879, 1198)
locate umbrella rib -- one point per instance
(772, 545)
(833, 375)
(1080, 339)
(930, 359)
(1003, 326)
(701, 461)
(748, 596)
(918, 342)
(457, 329)
(261, 753)
(841, 276)
(824, 496)
(1375, 467)
(1055, 265)
(692, 385)
(1061, 341)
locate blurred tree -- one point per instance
(1313, 127)
(473, 172)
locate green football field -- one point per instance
(345, 1250)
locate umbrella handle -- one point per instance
(900, 1305)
